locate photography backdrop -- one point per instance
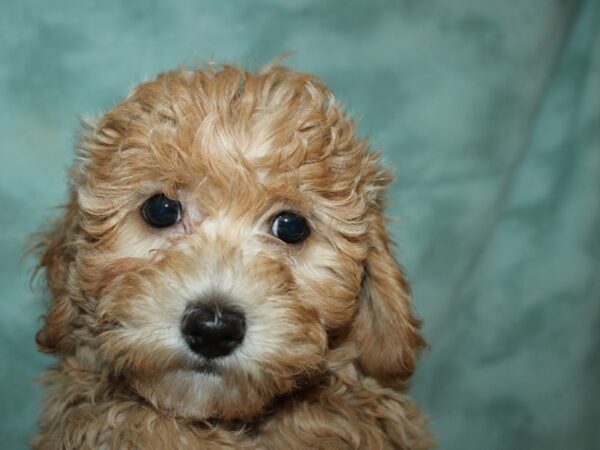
(489, 111)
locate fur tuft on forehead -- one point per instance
(278, 118)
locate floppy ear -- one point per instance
(56, 256)
(385, 329)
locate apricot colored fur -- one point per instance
(331, 339)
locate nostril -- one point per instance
(234, 324)
(212, 331)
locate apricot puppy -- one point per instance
(222, 277)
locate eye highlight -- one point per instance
(290, 227)
(159, 211)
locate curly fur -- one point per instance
(331, 339)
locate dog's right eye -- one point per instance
(290, 227)
(159, 211)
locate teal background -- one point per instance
(488, 110)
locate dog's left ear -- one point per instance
(385, 329)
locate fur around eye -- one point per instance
(159, 211)
(290, 227)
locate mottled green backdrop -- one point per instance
(488, 110)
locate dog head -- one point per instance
(224, 234)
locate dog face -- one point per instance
(224, 235)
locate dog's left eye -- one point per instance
(159, 211)
(290, 227)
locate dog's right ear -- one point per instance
(56, 257)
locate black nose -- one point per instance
(213, 331)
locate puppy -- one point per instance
(222, 277)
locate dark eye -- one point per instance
(159, 211)
(290, 227)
